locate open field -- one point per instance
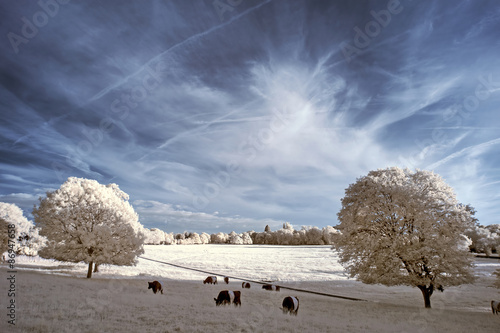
(259, 262)
(47, 301)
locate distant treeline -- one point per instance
(484, 239)
(285, 236)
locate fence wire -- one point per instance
(254, 281)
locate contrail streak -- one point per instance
(172, 48)
(464, 151)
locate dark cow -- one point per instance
(226, 279)
(271, 287)
(245, 285)
(495, 307)
(211, 280)
(227, 297)
(290, 305)
(156, 286)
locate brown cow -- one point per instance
(271, 287)
(495, 307)
(245, 285)
(211, 280)
(156, 286)
(226, 297)
(290, 305)
(226, 279)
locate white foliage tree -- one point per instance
(464, 242)
(404, 228)
(495, 230)
(219, 238)
(28, 240)
(234, 238)
(300, 237)
(246, 238)
(185, 241)
(154, 236)
(288, 236)
(485, 239)
(190, 238)
(257, 237)
(86, 221)
(4, 238)
(205, 238)
(284, 236)
(314, 236)
(169, 238)
(196, 238)
(329, 234)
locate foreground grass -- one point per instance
(52, 303)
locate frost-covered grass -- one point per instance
(116, 302)
(258, 262)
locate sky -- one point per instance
(236, 114)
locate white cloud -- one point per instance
(171, 219)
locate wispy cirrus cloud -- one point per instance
(169, 217)
(257, 114)
(471, 151)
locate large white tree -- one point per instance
(28, 241)
(86, 221)
(404, 228)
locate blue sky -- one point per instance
(230, 115)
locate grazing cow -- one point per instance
(290, 305)
(211, 280)
(495, 307)
(226, 279)
(271, 287)
(156, 286)
(227, 297)
(245, 285)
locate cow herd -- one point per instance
(290, 304)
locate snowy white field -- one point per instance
(256, 262)
(56, 297)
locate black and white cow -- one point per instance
(211, 280)
(271, 287)
(495, 307)
(245, 285)
(290, 305)
(227, 297)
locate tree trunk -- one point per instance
(427, 292)
(96, 268)
(89, 272)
